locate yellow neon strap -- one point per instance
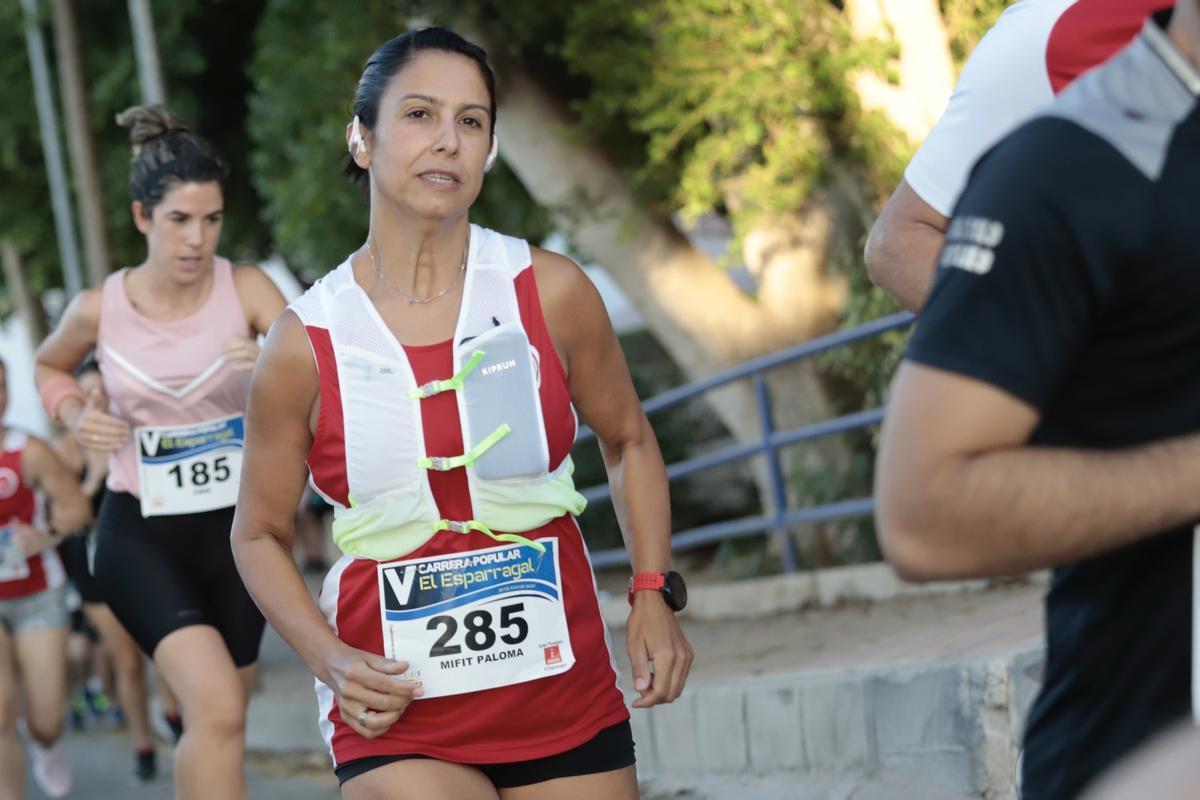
(455, 383)
(474, 525)
(444, 463)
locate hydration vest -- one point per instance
(389, 509)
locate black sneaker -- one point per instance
(175, 723)
(145, 767)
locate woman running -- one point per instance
(33, 608)
(92, 466)
(174, 340)
(430, 383)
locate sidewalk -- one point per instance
(284, 762)
(103, 763)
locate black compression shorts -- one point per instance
(608, 750)
(160, 574)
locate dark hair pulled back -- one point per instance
(392, 56)
(166, 153)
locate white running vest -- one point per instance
(392, 509)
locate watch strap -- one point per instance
(644, 581)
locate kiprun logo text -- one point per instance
(971, 244)
(499, 367)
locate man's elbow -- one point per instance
(876, 255)
(902, 547)
(914, 546)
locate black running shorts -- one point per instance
(160, 574)
(608, 750)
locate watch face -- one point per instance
(676, 590)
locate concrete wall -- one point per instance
(934, 731)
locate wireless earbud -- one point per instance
(357, 145)
(492, 154)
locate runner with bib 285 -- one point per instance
(429, 386)
(174, 340)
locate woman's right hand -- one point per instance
(370, 697)
(95, 429)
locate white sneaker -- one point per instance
(51, 769)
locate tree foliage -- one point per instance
(204, 47)
(966, 23)
(738, 108)
(308, 57)
(746, 109)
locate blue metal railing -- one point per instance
(772, 441)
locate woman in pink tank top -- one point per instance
(174, 337)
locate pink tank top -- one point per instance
(168, 373)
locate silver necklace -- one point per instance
(413, 299)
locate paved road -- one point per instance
(103, 764)
(286, 761)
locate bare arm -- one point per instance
(278, 438)
(58, 356)
(69, 453)
(262, 304)
(69, 508)
(962, 494)
(273, 474)
(603, 392)
(260, 297)
(902, 249)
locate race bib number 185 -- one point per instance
(190, 468)
(478, 620)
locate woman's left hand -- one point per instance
(241, 352)
(658, 651)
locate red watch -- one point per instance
(669, 584)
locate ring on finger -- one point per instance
(362, 717)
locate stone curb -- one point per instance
(948, 728)
(761, 598)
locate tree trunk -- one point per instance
(80, 142)
(699, 315)
(703, 320)
(925, 68)
(29, 310)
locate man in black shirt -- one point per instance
(1048, 412)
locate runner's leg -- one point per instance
(42, 663)
(209, 757)
(170, 705)
(12, 756)
(41, 648)
(130, 669)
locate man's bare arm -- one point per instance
(902, 249)
(961, 494)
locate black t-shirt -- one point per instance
(1071, 279)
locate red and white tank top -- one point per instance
(21, 577)
(1035, 49)
(168, 372)
(512, 723)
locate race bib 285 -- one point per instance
(473, 621)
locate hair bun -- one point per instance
(147, 123)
